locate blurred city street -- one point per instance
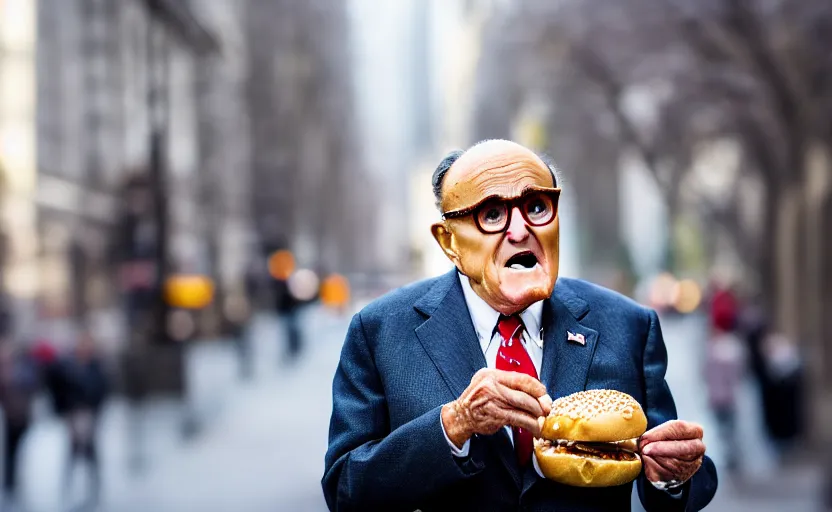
(196, 195)
(760, 485)
(264, 440)
(262, 446)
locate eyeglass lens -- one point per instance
(538, 209)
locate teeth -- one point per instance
(517, 266)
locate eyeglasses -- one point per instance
(493, 215)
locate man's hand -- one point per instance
(494, 399)
(672, 451)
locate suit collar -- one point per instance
(448, 336)
(430, 301)
(485, 317)
(566, 363)
(450, 340)
(565, 293)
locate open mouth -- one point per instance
(525, 260)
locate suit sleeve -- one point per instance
(370, 467)
(700, 489)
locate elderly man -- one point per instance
(434, 407)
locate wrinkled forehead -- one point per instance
(475, 177)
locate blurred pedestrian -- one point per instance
(256, 279)
(783, 408)
(287, 307)
(44, 352)
(18, 383)
(86, 387)
(753, 327)
(724, 306)
(46, 358)
(237, 312)
(281, 267)
(724, 368)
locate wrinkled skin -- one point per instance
(504, 169)
(494, 399)
(672, 451)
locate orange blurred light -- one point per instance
(687, 296)
(281, 264)
(189, 291)
(335, 291)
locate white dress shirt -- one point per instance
(485, 322)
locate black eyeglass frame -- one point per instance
(511, 203)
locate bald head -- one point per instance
(501, 159)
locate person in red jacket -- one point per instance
(724, 309)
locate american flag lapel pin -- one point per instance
(577, 338)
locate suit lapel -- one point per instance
(450, 340)
(448, 336)
(565, 363)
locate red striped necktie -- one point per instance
(512, 356)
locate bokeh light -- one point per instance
(281, 264)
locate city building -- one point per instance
(92, 89)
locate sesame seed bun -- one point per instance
(596, 415)
(609, 421)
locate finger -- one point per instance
(523, 420)
(689, 449)
(522, 382)
(482, 373)
(673, 429)
(668, 466)
(520, 400)
(675, 469)
(546, 404)
(678, 469)
(655, 472)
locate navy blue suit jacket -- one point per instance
(415, 349)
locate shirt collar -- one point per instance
(485, 317)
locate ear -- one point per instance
(445, 240)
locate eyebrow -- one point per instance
(528, 189)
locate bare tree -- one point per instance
(307, 165)
(754, 73)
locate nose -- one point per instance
(517, 231)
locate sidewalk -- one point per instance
(264, 443)
(791, 489)
(264, 453)
(242, 455)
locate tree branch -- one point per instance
(593, 67)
